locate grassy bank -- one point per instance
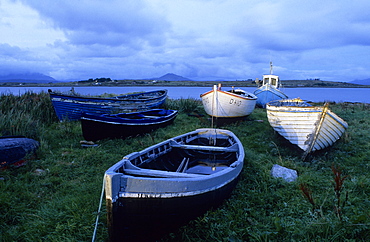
(55, 196)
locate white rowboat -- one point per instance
(234, 103)
(309, 127)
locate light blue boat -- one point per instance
(269, 90)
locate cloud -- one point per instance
(111, 22)
(198, 39)
(298, 26)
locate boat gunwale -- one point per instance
(310, 109)
(231, 172)
(163, 93)
(126, 121)
(232, 94)
(270, 88)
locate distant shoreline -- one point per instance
(248, 83)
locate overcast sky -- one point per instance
(200, 40)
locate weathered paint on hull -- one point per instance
(303, 125)
(68, 107)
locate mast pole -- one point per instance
(270, 67)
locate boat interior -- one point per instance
(296, 102)
(184, 158)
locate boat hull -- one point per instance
(166, 185)
(226, 104)
(70, 107)
(309, 127)
(159, 216)
(14, 149)
(268, 93)
(97, 127)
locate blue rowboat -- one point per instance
(97, 127)
(71, 107)
(158, 189)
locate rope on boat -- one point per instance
(99, 210)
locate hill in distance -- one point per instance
(361, 82)
(27, 78)
(172, 77)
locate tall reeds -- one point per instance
(25, 114)
(183, 105)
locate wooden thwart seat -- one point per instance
(233, 148)
(158, 173)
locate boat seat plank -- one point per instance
(157, 173)
(233, 148)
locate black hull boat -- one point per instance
(155, 191)
(96, 127)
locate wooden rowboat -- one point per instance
(234, 103)
(269, 89)
(71, 107)
(309, 127)
(15, 148)
(102, 126)
(160, 188)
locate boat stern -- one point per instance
(112, 181)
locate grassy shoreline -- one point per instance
(55, 196)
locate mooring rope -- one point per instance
(99, 209)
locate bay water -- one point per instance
(361, 95)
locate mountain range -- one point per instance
(27, 78)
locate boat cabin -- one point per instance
(270, 79)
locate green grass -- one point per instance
(55, 197)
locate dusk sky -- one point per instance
(200, 40)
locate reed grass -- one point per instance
(55, 196)
(27, 114)
(187, 105)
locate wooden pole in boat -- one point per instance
(317, 131)
(213, 104)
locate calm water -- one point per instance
(309, 94)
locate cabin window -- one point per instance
(273, 81)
